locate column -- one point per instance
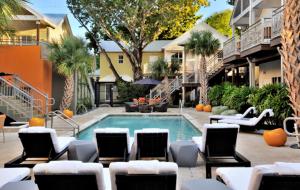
(251, 73)
(183, 95)
(38, 32)
(183, 66)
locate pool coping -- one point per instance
(188, 117)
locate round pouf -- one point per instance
(276, 137)
(203, 184)
(184, 153)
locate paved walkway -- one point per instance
(252, 146)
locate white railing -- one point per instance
(232, 47)
(256, 34)
(215, 63)
(277, 22)
(16, 98)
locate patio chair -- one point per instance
(217, 146)
(252, 123)
(162, 107)
(278, 176)
(131, 107)
(75, 175)
(13, 175)
(146, 175)
(2, 121)
(39, 144)
(248, 113)
(113, 143)
(151, 143)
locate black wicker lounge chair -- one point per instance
(162, 107)
(152, 143)
(131, 107)
(39, 142)
(113, 144)
(217, 147)
(72, 175)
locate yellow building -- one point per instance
(151, 53)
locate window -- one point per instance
(107, 91)
(121, 59)
(276, 80)
(177, 57)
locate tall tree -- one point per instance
(291, 52)
(220, 21)
(204, 44)
(8, 8)
(132, 25)
(160, 69)
(70, 58)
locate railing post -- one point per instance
(150, 93)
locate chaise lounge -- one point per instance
(279, 176)
(217, 146)
(113, 143)
(145, 175)
(248, 113)
(39, 144)
(8, 175)
(252, 123)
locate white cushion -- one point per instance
(284, 168)
(59, 143)
(237, 178)
(13, 175)
(143, 167)
(115, 130)
(71, 167)
(124, 167)
(257, 174)
(198, 142)
(107, 181)
(149, 130)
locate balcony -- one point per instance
(277, 24)
(232, 48)
(258, 34)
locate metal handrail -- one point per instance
(296, 133)
(63, 117)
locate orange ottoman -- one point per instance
(276, 137)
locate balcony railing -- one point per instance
(232, 47)
(256, 34)
(277, 22)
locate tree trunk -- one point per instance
(92, 99)
(137, 65)
(291, 52)
(203, 81)
(75, 91)
(68, 93)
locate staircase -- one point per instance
(168, 86)
(21, 101)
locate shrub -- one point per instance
(237, 98)
(228, 88)
(274, 96)
(216, 93)
(229, 112)
(219, 109)
(127, 91)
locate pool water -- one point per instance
(179, 127)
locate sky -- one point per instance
(60, 6)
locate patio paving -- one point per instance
(252, 146)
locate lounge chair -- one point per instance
(39, 144)
(278, 176)
(217, 146)
(131, 107)
(248, 113)
(162, 107)
(143, 175)
(252, 123)
(151, 143)
(113, 143)
(13, 175)
(73, 175)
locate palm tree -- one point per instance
(8, 8)
(70, 57)
(161, 69)
(204, 44)
(291, 52)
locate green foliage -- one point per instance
(228, 88)
(160, 68)
(202, 43)
(71, 55)
(274, 96)
(220, 21)
(237, 98)
(215, 95)
(127, 91)
(217, 110)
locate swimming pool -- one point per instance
(179, 127)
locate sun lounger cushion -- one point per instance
(59, 143)
(125, 167)
(13, 175)
(116, 130)
(201, 140)
(284, 168)
(71, 167)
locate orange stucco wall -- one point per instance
(26, 62)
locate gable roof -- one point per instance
(56, 18)
(155, 46)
